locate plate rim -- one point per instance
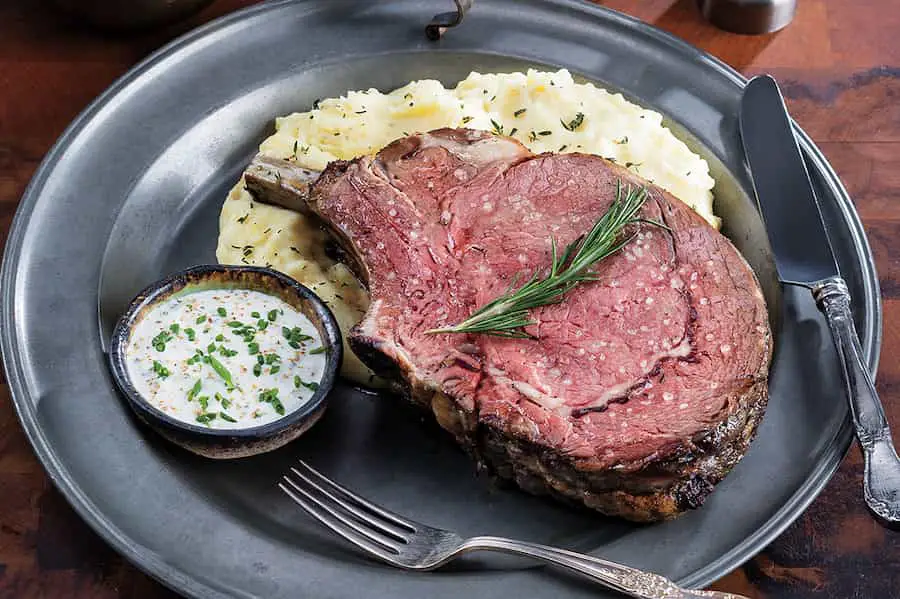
(174, 577)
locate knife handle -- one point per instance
(882, 467)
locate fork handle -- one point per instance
(632, 582)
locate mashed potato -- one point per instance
(548, 112)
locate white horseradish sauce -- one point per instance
(225, 358)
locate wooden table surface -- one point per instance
(839, 64)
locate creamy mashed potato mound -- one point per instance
(540, 109)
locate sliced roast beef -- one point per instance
(635, 395)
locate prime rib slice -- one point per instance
(638, 393)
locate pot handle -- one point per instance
(440, 23)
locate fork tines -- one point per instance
(368, 526)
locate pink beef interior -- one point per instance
(658, 350)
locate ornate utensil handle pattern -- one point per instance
(632, 582)
(882, 467)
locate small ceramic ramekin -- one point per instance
(241, 442)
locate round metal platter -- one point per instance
(131, 192)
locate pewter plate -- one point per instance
(131, 192)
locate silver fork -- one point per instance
(411, 545)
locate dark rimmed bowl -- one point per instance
(229, 443)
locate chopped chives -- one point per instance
(206, 418)
(194, 390)
(226, 417)
(257, 370)
(220, 337)
(160, 370)
(298, 382)
(221, 371)
(254, 314)
(191, 334)
(224, 401)
(175, 328)
(201, 319)
(211, 348)
(275, 368)
(159, 342)
(318, 350)
(204, 402)
(271, 396)
(221, 311)
(272, 315)
(253, 348)
(294, 336)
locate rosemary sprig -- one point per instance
(507, 315)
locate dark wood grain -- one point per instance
(839, 62)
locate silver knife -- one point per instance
(788, 202)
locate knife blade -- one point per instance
(803, 256)
(786, 198)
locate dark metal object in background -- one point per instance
(135, 14)
(439, 24)
(804, 256)
(748, 16)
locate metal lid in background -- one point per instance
(748, 16)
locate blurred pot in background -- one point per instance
(750, 17)
(118, 15)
